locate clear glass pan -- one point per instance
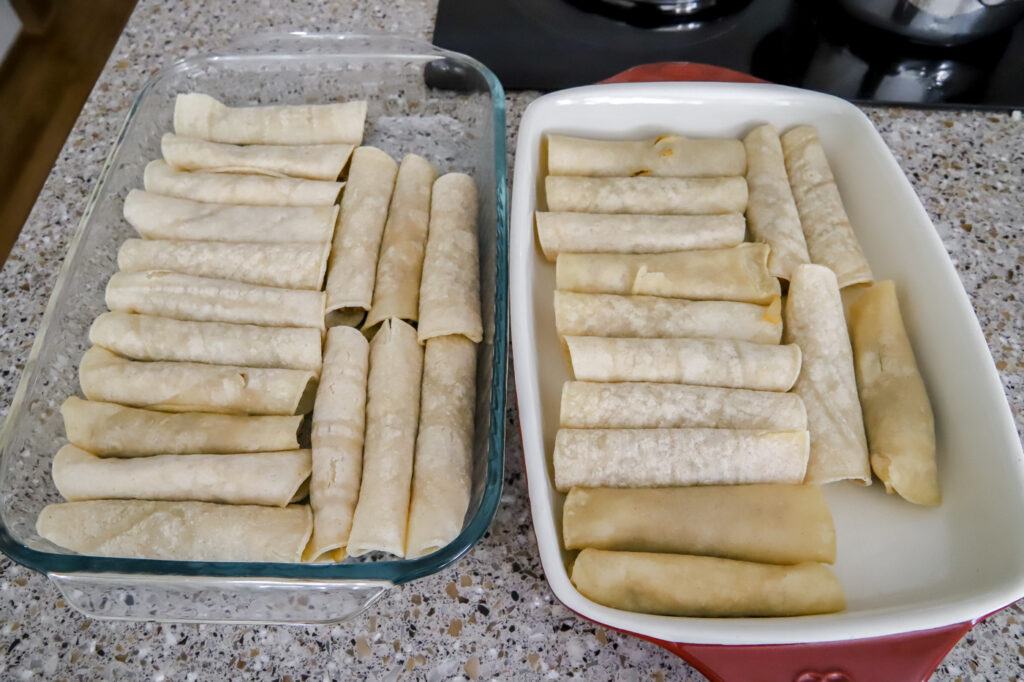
(442, 105)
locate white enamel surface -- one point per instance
(902, 567)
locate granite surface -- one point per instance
(491, 615)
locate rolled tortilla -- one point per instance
(202, 116)
(392, 415)
(230, 188)
(194, 387)
(684, 585)
(443, 471)
(155, 216)
(705, 362)
(830, 238)
(364, 210)
(771, 210)
(450, 286)
(897, 414)
(396, 292)
(110, 430)
(638, 405)
(665, 155)
(291, 266)
(339, 423)
(145, 337)
(815, 322)
(178, 531)
(769, 523)
(736, 274)
(655, 317)
(691, 196)
(265, 478)
(185, 297)
(631, 233)
(656, 458)
(312, 162)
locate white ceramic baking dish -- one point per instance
(904, 569)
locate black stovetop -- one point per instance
(553, 44)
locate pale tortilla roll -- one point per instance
(690, 196)
(202, 116)
(830, 238)
(146, 337)
(158, 217)
(194, 387)
(684, 585)
(655, 458)
(339, 423)
(815, 322)
(396, 292)
(705, 362)
(110, 430)
(443, 471)
(178, 531)
(665, 155)
(736, 274)
(771, 210)
(185, 297)
(641, 405)
(392, 415)
(292, 266)
(769, 523)
(230, 188)
(631, 233)
(655, 317)
(264, 478)
(364, 210)
(450, 286)
(312, 162)
(898, 417)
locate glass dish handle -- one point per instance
(217, 599)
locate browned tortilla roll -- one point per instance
(194, 387)
(705, 362)
(158, 217)
(632, 233)
(180, 531)
(646, 458)
(830, 237)
(392, 416)
(897, 414)
(815, 322)
(450, 287)
(396, 292)
(146, 337)
(202, 116)
(736, 274)
(639, 405)
(292, 266)
(339, 423)
(771, 210)
(442, 475)
(311, 161)
(646, 195)
(106, 429)
(265, 478)
(666, 155)
(770, 523)
(364, 210)
(652, 316)
(232, 188)
(684, 585)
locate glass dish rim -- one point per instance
(395, 571)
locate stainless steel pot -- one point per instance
(938, 22)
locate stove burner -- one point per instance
(662, 14)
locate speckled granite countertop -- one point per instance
(492, 615)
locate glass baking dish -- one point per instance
(442, 105)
